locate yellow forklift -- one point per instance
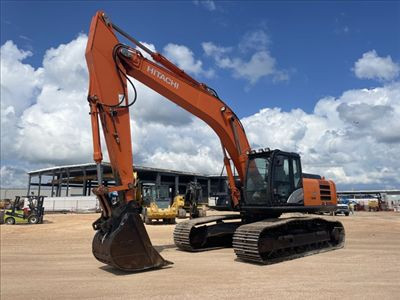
(17, 214)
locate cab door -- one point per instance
(286, 177)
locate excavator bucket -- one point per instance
(127, 246)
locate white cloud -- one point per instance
(207, 4)
(45, 117)
(211, 49)
(65, 66)
(18, 80)
(257, 63)
(183, 57)
(254, 40)
(19, 86)
(372, 66)
(353, 139)
(11, 176)
(260, 64)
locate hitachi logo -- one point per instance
(161, 76)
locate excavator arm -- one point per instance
(110, 63)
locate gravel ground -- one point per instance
(54, 261)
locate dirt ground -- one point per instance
(54, 261)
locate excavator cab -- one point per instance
(275, 184)
(273, 179)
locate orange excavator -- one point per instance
(268, 182)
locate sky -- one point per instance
(317, 78)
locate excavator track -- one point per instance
(276, 240)
(199, 235)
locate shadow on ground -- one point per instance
(161, 248)
(119, 272)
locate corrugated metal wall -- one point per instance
(71, 204)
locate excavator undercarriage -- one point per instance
(277, 240)
(265, 242)
(206, 233)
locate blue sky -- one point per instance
(316, 43)
(318, 78)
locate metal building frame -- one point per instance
(84, 176)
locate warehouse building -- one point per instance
(69, 188)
